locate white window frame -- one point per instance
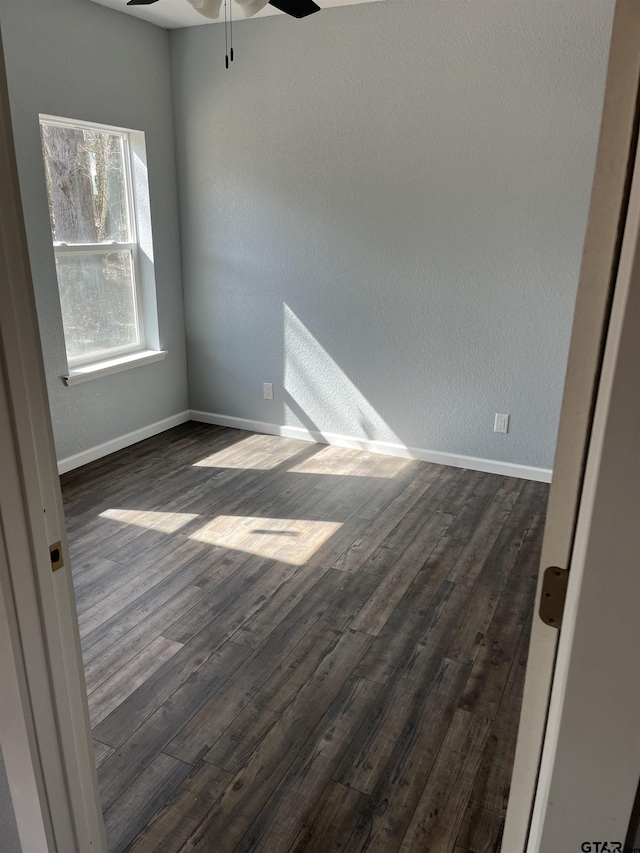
(115, 358)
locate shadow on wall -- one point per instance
(319, 395)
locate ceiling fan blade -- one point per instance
(296, 8)
(208, 8)
(251, 7)
(141, 2)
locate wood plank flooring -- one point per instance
(291, 647)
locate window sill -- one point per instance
(112, 365)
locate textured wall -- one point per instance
(383, 210)
(9, 841)
(80, 60)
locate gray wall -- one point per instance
(9, 841)
(383, 210)
(80, 60)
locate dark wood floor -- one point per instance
(290, 647)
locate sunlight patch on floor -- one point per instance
(289, 540)
(256, 452)
(164, 522)
(344, 462)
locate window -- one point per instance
(94, 227)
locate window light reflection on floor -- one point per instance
(164, 522)
(289, 540)
(257, 453)
(342, 462)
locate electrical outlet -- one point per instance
(267, 388)
(501, 423)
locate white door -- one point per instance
(591, 757)
(602, 254)
(44, 720)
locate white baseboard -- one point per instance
(489, 466)
(123, 441)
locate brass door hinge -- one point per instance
(55, 552)
(554, 593)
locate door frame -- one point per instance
(601, 256)
(44, 719)
(592, 736)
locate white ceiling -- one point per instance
(179, 13)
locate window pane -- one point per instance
(85, 171)
(98, 302)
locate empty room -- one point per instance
(305, 279)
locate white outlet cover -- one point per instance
(173, 14)
(501, 423)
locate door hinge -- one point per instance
(55, 552)
(554, 593)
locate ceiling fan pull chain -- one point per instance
(231, 28)
(226, 37)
